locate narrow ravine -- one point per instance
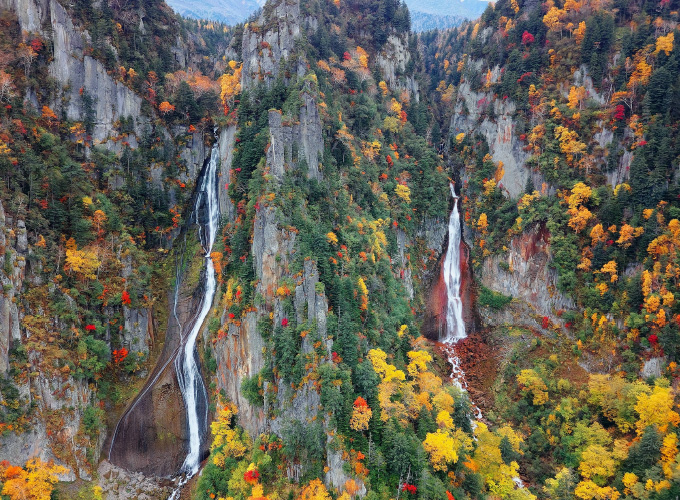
(207, 215)
(455, 324)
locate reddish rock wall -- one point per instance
(434, 322)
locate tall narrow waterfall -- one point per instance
(455, 326)
(186, 363)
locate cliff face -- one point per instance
(289, 290)
(504, 146)
(56, 428)
(75, 71)
(270, 39)
(525, 274)
(14, 247)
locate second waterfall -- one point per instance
(455, 324)
(191, 384)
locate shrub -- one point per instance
(493, 300)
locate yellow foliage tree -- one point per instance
(386, 371)
(230, 85)
(84, 262)
(597, 462)
(315, 490)
(610, 268)
(665, 44)
(227, 441)
(443, 447)
(444, 420)
(403, 192)
(598, 234)
(588, 490)
(34, 482)
(483, 223)
(361, 415)
(576, 97)
(580, 32)
(532, 383)
(656, 409)
(669, 455)
(553, 19)
(569, 143)
(418, 363)
(627, 233)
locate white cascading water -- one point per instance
(455, 326)
(186, 366)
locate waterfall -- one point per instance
(186, 363)
(455, 326)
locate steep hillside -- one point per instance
(97, 174)
(332, 139)
(560, 122)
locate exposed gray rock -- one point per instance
(120, 484)
(292, 142)
(582, 79)
(336, 476)
(138, 330)
(528, 278)
(434, 232)
(622, 172)
(499, 133)
(309, 136)
(405, 269)
(392, 61)
(71, 68)
(194, 155)
(268, 40)
(281, 141)
(653, 367)
(226, 140)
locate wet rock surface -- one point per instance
(120, 484)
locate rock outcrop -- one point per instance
(270, 40)
(292, 143)
(226, 141)
(120, 484)
(12, 279)
(80, 74)
(392, 61)
(526, 275)
(469, 117)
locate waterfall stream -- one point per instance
(189, 377)
(455, 325)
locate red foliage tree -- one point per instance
(527, 38)
(119, 355)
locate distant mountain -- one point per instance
(226, 11)
(425, 14)
(469, 9)
(421, 21)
